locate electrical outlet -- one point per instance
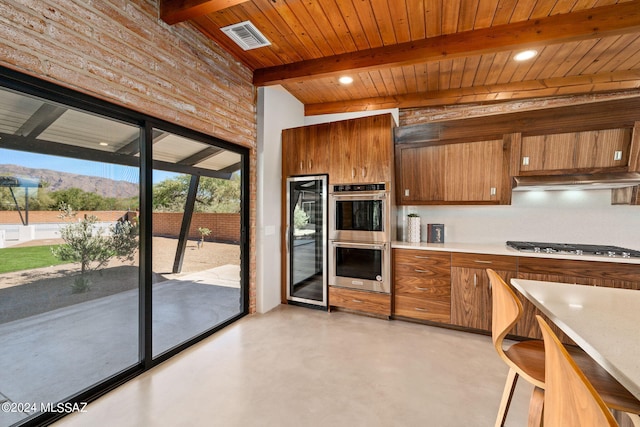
(525, 161)
(493, 191)
(617, 155)
(406, 192)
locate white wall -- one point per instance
(585, 217)
(325, 118)
(277, 110)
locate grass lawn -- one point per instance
(16, 259)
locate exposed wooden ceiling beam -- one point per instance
(603, 82)
(174, 11)
(587, 24)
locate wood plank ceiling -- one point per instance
(419, 53)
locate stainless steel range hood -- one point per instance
(576, 182)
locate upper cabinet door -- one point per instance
(361, 150)
(452, 173)
(305, 150)
(572, 152)
(422, 174)
(473, 171)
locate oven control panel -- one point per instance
(341, 188)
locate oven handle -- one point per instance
(379, 246)
(359, 196)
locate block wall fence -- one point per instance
(225, 227)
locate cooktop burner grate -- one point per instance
(575, 249)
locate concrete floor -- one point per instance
(49, 356)
(300, 367)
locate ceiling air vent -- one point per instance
(246, 35)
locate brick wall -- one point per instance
(120, 51)
(224, 227)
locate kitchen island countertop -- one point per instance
(500, 248)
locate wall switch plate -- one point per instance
(493, 191)
(617, 155)
(406, 192)
(525, 161)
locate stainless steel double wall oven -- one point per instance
(360, 223)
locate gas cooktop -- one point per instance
(574, 249)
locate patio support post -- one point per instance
(17, 205)
(186, 223)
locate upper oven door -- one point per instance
(359, 217)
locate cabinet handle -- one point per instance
(479, 261)
(420, 309)
(357, 300)
(421, 257)
(475, 280)
(421, 289)
(364, 172)
(421, 271)
(353, 172)
(310, 164)
(301, 165)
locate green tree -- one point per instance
(300, 217)
(91, 246)
(213, 195)
(87, 201)
(39, 198)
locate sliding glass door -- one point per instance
(196, 239)
(69, 275)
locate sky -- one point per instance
(80, 167)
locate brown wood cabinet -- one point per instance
(350, 151)
(470, 172)
(575, 151)
(305, 150)
(362, 301)
(422, 285)
(426, 283)
(471, 290)
(362, 150)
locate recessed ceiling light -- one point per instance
(346, 80)
(524, 55)
(104, 144)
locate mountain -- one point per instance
(55, 180)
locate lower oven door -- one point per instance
(364, 266)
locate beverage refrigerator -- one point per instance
(306, 240)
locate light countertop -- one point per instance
(603, 321)
(502, 249)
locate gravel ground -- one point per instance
(25, 293)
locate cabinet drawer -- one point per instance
(369, 302)
(495, 262)
(407, 261)
(437, 310)
(421, 289)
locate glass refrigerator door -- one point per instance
(306, 240)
